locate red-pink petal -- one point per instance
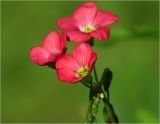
(77, 36)
(52, 42)
(39, 56)
(85, 14)
(65, 75)
(67, 24)
(101, 33)
(53, 57)
(82, 52)
(92, 60)
(104, 18)
(63, 40)
(67, 62)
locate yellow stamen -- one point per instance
(82, 72)
(87, 29)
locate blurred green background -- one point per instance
(31, 93)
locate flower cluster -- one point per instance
(86, 23)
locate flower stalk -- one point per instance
(97, 93)
(95, 73)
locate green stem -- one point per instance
(89, 117)
(95, 73)
(84, 83)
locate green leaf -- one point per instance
(106, 78)
(110, 114)
(106, 115)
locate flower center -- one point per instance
(87, 29)
(82, 72)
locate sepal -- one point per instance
(91, 41)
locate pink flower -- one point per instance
(87, 22)
(53, 46)
(75, 67)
